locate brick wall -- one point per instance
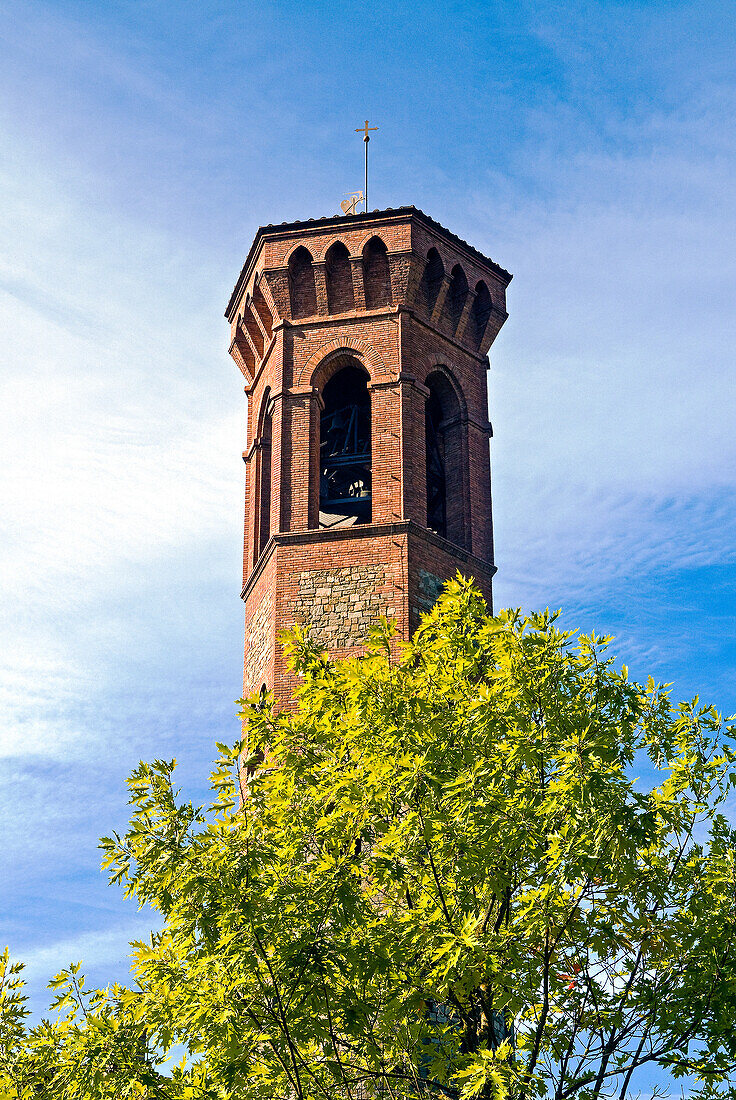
(396, 295)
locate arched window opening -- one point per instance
(432, 277)
(444, 458)
(481, 312)
(263, 527)
(456, 296)
(339, 279)
(436, 480)
(376, 276)
(345, 450)
(301, 284)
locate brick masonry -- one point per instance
(416, 309)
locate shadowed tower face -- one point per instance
(363, 341)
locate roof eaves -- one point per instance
(271, 230)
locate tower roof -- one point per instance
(365, 217)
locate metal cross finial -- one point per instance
(364, 130)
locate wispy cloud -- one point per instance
(105, 958)
(120, 443)
(110, 946)
(588, 148)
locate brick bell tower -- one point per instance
(363, 341)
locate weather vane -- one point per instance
(348, 205)
(366, 138)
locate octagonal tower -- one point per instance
(363, 341)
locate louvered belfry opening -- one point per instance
(345, 449)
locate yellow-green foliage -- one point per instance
(440, 877)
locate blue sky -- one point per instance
(588, 147)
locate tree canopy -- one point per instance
(436, 873)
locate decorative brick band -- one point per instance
(366, 530)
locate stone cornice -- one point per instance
(312, 536)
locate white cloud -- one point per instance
(612, 391)
(121, 424)
(582, 542)
(106, 951)
(121, 417)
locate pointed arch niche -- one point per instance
(376, 275)
(481, 312)
(339, 278)
(456, 297)
(302, 289)
(446, 469)
(434, 273)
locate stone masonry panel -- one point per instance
(259, 643)
(339, 605)
(427, 591)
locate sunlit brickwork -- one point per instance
(364, 505)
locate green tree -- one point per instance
(440, 877)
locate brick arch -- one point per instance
(320, 255)
(297, 246)
(357, 252)
(315, 371)
(449, 259)
(451, 380)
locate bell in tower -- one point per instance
(363, 341)
(345, 450)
